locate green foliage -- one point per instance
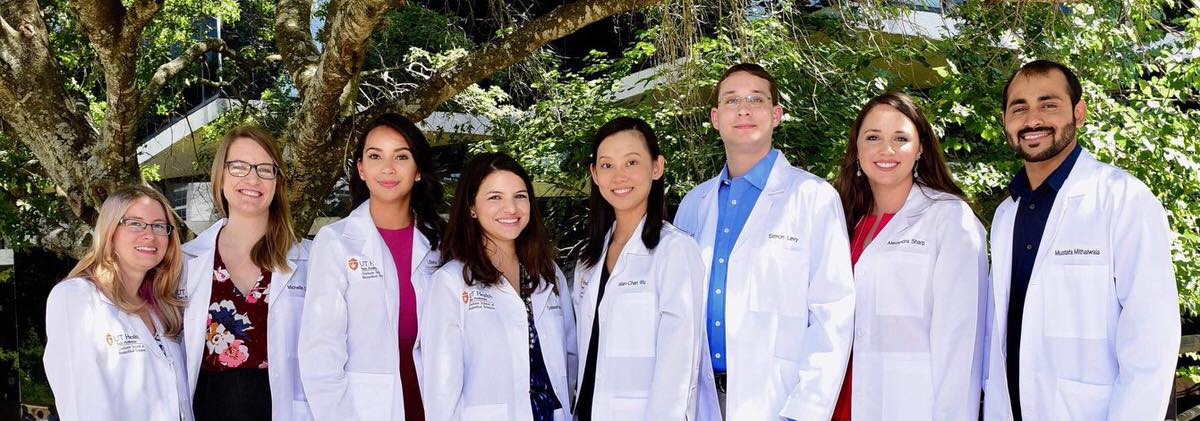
(28, 203)
(1141, 87)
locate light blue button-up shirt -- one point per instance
(735, 200)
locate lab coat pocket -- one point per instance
(907, 387)
(627, 409)
(1080, 299)
(782, 286)
(1079, 401)
(631, 333)
(900, 287)
(497, 412)
(371, 394)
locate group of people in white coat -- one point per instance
(760, 302)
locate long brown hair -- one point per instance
(99, 265)
(270, 252)
(426, 194)
(464, 239)
(602, 215)
(857, 198)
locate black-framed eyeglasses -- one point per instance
(137, 225)
(265, 171)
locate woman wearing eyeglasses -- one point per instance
(112, 350)
(244, 281)
(369, 273)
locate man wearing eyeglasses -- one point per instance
(780, 294)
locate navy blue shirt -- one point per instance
(735, 200)
(1033, 210)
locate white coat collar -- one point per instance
(361, 230)
(919, 200)
(776, 183)
(202, 250)
(634, 246)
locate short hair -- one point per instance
(753, 69)
(1044, 67)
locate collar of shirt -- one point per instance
(1019, 186)
(757, 176)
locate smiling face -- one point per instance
(624, 171)
(888, 147)
(1040, 121)
(502, 206)
(140, 251)
(249, 195)
(387, 165)
(745, 127)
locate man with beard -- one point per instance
(1086, 321)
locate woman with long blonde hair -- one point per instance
(112, 326)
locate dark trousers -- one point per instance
(241, 394)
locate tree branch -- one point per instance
(39, 112)
(294, 41)
(170, 69)
(506, 51)
(323, 96)
(115, 32)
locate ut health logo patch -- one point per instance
(352, 264)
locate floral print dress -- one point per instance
(237, 323)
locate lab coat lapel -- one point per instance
(909, 213)
(1073, 191)
(280, 278)
(420, 252)
(708, 234)
(199, 291)
(362, 228)
(759, 217)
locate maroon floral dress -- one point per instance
(237, 323)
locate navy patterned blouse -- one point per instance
(541, 392)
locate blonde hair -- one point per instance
(270, 252)
(100, 266)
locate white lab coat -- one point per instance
(285, 300)
(789, 300)
(474, 343)
(650, 322)
(349, 335)
(920, 289)
(1100, 328)
(103, 364)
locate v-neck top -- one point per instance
(237, 323)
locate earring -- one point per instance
(915, 172)
(858, 171)
(472, 214)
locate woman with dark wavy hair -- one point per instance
(497, 329)
(920, 272)
(368, 277)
